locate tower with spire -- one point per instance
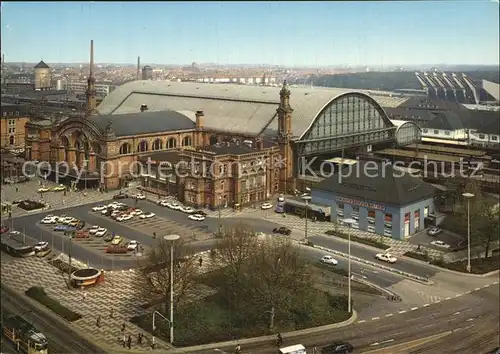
(285, 132)
(91, 92)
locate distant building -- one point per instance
(147, 73)
(42, 76)
(13, 120)
(80, 87)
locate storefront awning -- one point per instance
(311, 206)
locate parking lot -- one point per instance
(424, 239)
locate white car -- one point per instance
(174, 206)
(100, 208)
(101, 231)
(67, 220)
(159, 201)
(139, 196)
(124, 217)
(440, 244)
(132, 245)
(187, 210)
(136, 212)
(266, 206)
(94, 229)
(14, 232)
(164, 203)
(49, 220)
(386, 257)
(40, 246)
(147, 215)
(196, 217)
(329, 260)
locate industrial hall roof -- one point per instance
(230, 107)
(142, 123)
(377, 182)
(41, 65)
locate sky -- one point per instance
(381, 33)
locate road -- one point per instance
(29, 225)
(473, 312)
(60, 341)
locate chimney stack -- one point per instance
(199, 119)
(259, 143)
(138, 68)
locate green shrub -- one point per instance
(366, 241)
(38, 293)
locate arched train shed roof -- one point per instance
(232, 107)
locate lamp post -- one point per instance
(349, 223)
(220, 223)
(468, 196)
(171, 239)
(306, 199)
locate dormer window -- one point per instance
(144, 107)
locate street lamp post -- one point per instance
(171, 239)
(306, 199)
(220, 223)
(468, 196)
(349, 223)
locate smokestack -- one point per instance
(138, 68)
(91, 58)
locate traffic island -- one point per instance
(83, 278)
(31, 205)
(38, 293)
(478, 265)
(365, 241)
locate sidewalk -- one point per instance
(120, 291)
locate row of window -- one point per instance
(143, 146)
(5, 114)
(447, 133)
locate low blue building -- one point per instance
(382, 199)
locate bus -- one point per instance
(23, 335)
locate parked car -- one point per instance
(337, 348)
(93, 229)
(139, 196)
(266, 206)
(41, 246)
(100, 208)
(3, 229)
(440, 244)
(196, 217)
(109, 238)
(120, 196)
(116, 249)
(49, 220)
(136, 212)
(174, 206)
(200, 212)
(132, 245)
(124, 217)
(386, 257)
(187, 210)
(116, 240)
(147, 215)
(101, 232)
(434, 231)
(329, 260)
(282, 230)
(61, 228)
(82, 234)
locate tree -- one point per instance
(155, 271)
(278, 278)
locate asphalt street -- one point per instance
(59, 341)
(472, 312)
(29, 224)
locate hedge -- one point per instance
(366, 241)
(478, 265)
(38, 293)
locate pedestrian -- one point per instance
(124, 341)
(84, 296)
(98, 322)
(64, 193)
(201, 261)
(418, 248)
(129, 342)
(17, 189)
(111, 312)
(139, 338)
(123, 327)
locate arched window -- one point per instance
(11, 140)
(143, 146)
(172, 143)
(125, 148)
(186, 141)
(157, 144)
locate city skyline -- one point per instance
(271, 32)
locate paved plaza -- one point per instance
(55, 200)
(121, 291)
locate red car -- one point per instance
(3, 229)
(82, 234)
(116, 249)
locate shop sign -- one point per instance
(360, 203)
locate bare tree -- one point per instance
(278, 275)
(155, 271)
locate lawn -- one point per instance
(478, 266)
